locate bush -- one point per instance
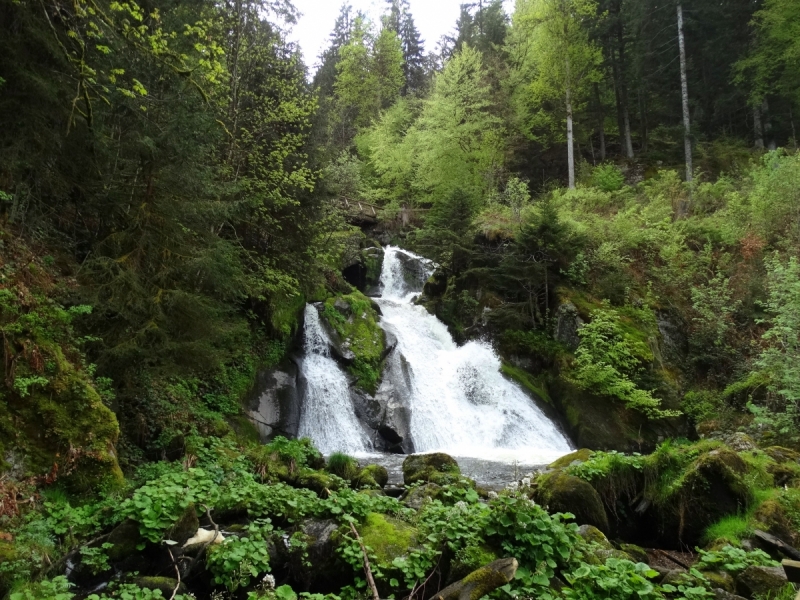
(343, 465)
(608, 178)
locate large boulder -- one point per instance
(416, 497)
(568, 323)
(761, 581)
(309, 558)
(437, 467)
(274, 402)
(560, 492)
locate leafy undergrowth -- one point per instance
(267, 499)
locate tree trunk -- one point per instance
(758, 128)
(623, 84)
(687, 133)
(570, 149)
(601, 122)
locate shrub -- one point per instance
(608, 178)
(343, 465)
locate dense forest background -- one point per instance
(174, 182)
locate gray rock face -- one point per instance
(567, 325)
(274, 404)
(414, 271)
(673, 340)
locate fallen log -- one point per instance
(777, 544)
(481, 582)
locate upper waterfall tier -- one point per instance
(458, 399)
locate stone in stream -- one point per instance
(436, 467)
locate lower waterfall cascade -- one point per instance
(457, 399)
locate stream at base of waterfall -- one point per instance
(456, 397)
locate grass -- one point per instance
(343, 465)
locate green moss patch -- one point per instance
(355, 320)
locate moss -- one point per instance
(581, 455)
(720, 580)
(469, 559)
(389, 538)
(592, 535)
(318, 481)
(185, 527)
(437, 467)
(565, 493)
(527, 381)
(771, 517)
(373, 476)
(123, 539)
(342, 465)
(637, 553)
(355, 321)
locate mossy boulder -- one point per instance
(771, 517)
(760, 581)
(580, 456)
(592, 535)
(374, 476)
(437, 467)
(318, 481)
(357, 340)
(560, 492)
(782, 455)
(315, 543)
(388, 537)
(637, 553)
(711, 487)
(721, 580)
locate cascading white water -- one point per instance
(459, 400)
(327, 415)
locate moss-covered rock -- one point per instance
(358, 341)
(318, 481)
(374, 476)
(565, 493)
(782, 455)
(580, 456)
(437, 467)
(771, 517)
(637, 553)
(760, 581)
(720, 580)
(592, 535)
(388, 537)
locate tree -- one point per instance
(687, 131)
(552, 51)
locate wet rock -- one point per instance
(564, 493)
(274, 402)
(760, 581)
(436, 468)
(568, 324)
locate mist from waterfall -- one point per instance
(326, 414)
(459, 400)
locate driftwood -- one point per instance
(777, 544)
(481, 582)
(367, 568)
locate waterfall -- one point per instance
(459, 400)
(327, 415)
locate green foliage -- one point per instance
(53, 589)
(343, 465)
(238, 560)
(615, 580)
(733, 559)
(609, 359)
(96, 558)
(608, 178)
(545, 542)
